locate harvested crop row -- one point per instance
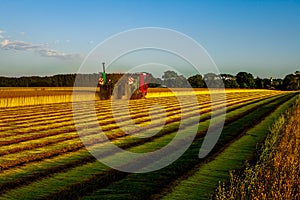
(21, 132)
(168, 136)
(26, 112)
(38, 141)
(13, 124)
(57, 112)
(68, 124)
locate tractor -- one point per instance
(123, 86)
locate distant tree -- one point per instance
(173, 80)
(196, 81)
(182, 82)
(259, 83)
(170, 79)
(154, 82)
(277, 83)
(169, 75)
(231, 84)
(266, 83)
(245, 80)
(291, 82)
(212, 80)
(229, 81)
(39, 83)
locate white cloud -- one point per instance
(19, 45)
(53, 53)
(41, 49)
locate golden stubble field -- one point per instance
(42, 156)
(11, 97)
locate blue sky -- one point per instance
(53, 37)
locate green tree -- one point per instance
(259, 83)
(212, 80)
(154, 82)
(173, 80)
(196, 81)
(245, 80)
(291, 82)
(266, 83)
(229, 81)
(169, 75)
(277, 83)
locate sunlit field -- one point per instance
(10, 97)
(42, 156)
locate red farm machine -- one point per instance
(123, 86)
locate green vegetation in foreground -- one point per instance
(276, 175)
(203, 182)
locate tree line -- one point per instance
(240, 80)
(168, 79)
(61, 80)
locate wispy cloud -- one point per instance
(20, 45)
(53, 53)
(41, 49)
